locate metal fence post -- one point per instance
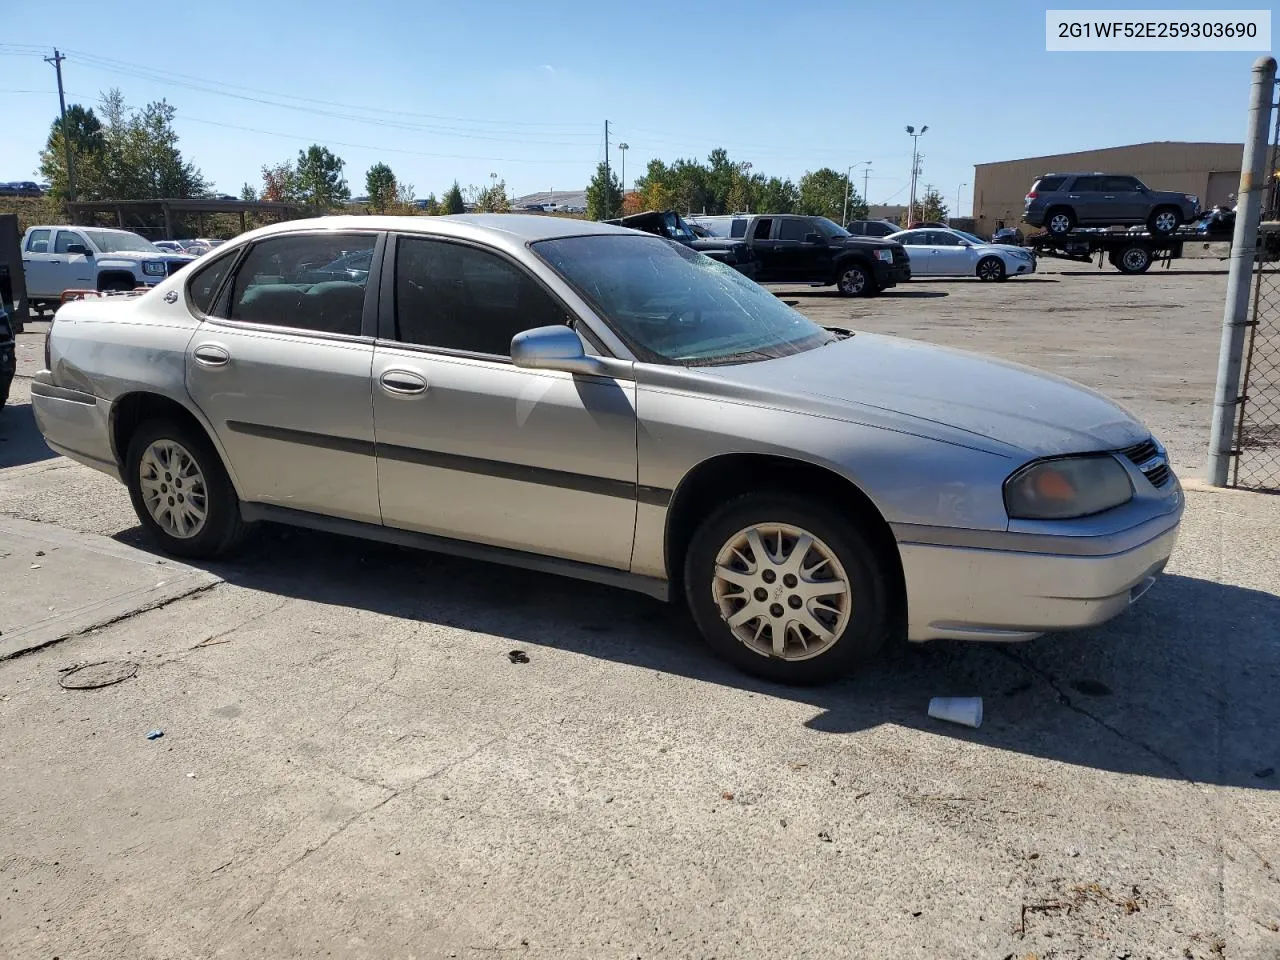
(1253, 176)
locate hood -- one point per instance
(716, 243)
(1005, 403)
(866, 242)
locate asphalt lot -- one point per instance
(352, 767)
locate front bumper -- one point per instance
(1021, 268)
(970, 593)
(891, 274)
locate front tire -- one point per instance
(181, 491)
(786, 589)
(854, 280)
(1164, 222)
(1060, 221)
(991, 270)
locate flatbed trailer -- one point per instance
(1127, 252)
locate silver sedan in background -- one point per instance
(595, 402)
(944, 252)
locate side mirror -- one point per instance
(554, 348)
(78, 249)
(965, 243)
(813, 238)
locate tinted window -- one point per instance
(1119, 184)
(204, 283)
(857, 228)
(286, 282)
(65, 239)
(763, 226)
(738, 229)
(1087, 183)
(794, 230)
(940, 238)
(462, 298)
(1049, 184)
(38, 242)
(914, 238)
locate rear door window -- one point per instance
(763, 226)
(38, 242)
(791, 229)
(1087, 185)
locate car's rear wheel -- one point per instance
(854, 280)
(1060, 221)
(1164, 221)
(991, 270)
(180, 490)
(1133, 259)
(786, 589)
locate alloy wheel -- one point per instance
(1166, 222)
(1059, 223)
(173, 489)
(853, 280)
(782, 591)
(989, 269)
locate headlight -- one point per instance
(1020, 254)
(885, 255)
(1067, 488)
(1194, 199)
(153, 268)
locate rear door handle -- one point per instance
(211, 355)
(403, 383)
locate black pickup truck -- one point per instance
(669, 224)
(814, 250)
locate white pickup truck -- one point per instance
(58, 258)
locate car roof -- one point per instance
(524, 227)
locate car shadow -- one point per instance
(1179, 687)
(1155, 268)
(20, 439)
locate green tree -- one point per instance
(248, 194)
(930, 208)
(775, 195)
(604, 195)
(654, 187)
(319, 178)
(453, 202)
(88, 149)
(493, 199)
(280, 183)
(822, 194)
(380, 187)
(431, 206)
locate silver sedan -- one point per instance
(587, 400)
(943, 252)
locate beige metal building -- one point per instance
(1211, 171)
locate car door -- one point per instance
(74, 271)
(950, 257)
(919, 250)
(798, 257)
(281, 368)
(765, 248)
(37, 264)
(1124, 199)
(1086, 198)
(472, 447)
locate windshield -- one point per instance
(677, 229)
(968, 236)
(673, 305)
(829, 228)
(120, 242)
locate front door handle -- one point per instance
(404, 383)
(211, 355)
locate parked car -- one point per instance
(21, 188)
(943, 252)
(8, 354)
(581, 398)
(169, 246)
(58, 258)
(871, 228)
(1010, 236)
(814, 250)
(669, 224)
(1060, 202)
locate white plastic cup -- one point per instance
(966, 711)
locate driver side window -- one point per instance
(65, 239)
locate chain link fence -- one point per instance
(1257, 446)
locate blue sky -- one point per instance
(463, 90)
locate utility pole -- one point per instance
(915, 167)
(606, 170)
(56, 60)
(622, 149)
(848, 188)
(866, 176)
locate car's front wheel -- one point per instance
(1060, 221)
(854, 280)
(1164, 222)
(786, 589)
(991, 269)
(180, 490)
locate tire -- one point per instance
(854, 280)
(1134, 258)
(857, 620)
(991, 270)
(1164, 221)
(1060, 221)
(221, 528)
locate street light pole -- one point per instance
(958, 189)
(848, 187)
(623, 148)
(915, 167)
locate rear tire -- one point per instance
(991, 270)
(181, 492)
(1133, 259)
(1164, 221)
(1060, 221)
(854, 280)
(831, 612)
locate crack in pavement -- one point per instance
(1025, 662)
(350, 821)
